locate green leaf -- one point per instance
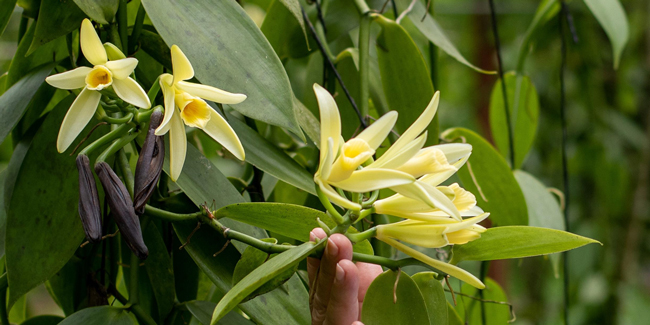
(405, 76)
(68, 285)
(490, 180)
(101, 11)
(15, 100)
(516, 242)
(3, 212)
(281, 307)
(543, 209)
(434, 297)
(611, 16)
(155, 46)
(220, 30)
(430, 28)
(523, 104)
(43, 208)
(284, 28)
(389, 303)
(253, 258)
(546, 10)
(308, 122)
(495, 314)
(6, 9)
(454, 318)
(202, 310)
(55, 19)
(263, 154)
(43, 320)
(103, 315)
(261, 275)
(160, 270)
(347, 66)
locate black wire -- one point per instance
(497, 44)
(565, 171)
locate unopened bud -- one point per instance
(89, 209)
(149, 167)
(122, 209)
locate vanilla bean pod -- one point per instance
(122, 209)
(89, 209)
(149, 166)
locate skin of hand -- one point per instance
(338, 286)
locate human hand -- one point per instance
(338, 286)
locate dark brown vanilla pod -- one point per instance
(89, 208)
(149, 167)
(122, 209)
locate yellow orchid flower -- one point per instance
(339, 161)
(103, 74)
(434, 234)
(184, 103)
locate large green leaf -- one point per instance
(261, 275)
(103, 315)
(543, 209)
(68, 285)
(434, 297)
(523, 104)
(612, 18)
(55, 19)
(43, 320)
(43, 208)
(284, 28)
(405, 76)
(15, 100)
(160, 270)
(102, 11)
(6, 9)
(228, 51)
(392, 301)
(202, 310)
(281, 307)
(430, 28)
(490, 180)
(495, 313)
(453, 317)
(263, 154)
(516, 242)
(308, 122)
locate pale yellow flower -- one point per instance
(103, 74)
(184, 103)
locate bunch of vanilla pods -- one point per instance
(125, 211)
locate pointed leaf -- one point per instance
(516, 242)
(495, 314)
(391, 302)
(247, 64)
(6, 9)
(202, 310)
(160, 270)
(103, 315)
(434, 297)
(612, 18)
(101, 11)
(55, 19)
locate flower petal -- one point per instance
(177, 146)
(71, 79)
(420, 234)
(131, 92)
(210, 93)
(335, 198)
(394, 159)
(467, 223)
(91, 45)
(455, 151)
(375, 134)
(330, 120)
(113, 52)
(81, 111)
(450, 269)
(121, 69)
(429, 195)
(325, 165)
(170, 105)
(219, 130)
(368, 180)
(181, 65)
(417, 127)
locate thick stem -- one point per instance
(362, 7)
(171, 216)
(125, 169)
(105, 139)
(117, 145)
(329, 207)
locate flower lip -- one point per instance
(194, 111)
(99, 78)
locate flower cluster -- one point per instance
(434, 212)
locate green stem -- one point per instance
(117, 145)
(362, 7)
(68, 42)
(371, 200)
(153, 91)
(355, 238)
(134, 270)
(114, 35)
(137, 29)
(328, 206)
(142, 315)
(125, 169)
(143, 115)
(106, 138)
(122, 22)
(112, 120)
(22, 28)
(364, 62)
(364, 214)
(171, 216)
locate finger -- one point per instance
(367, 273)
(357, 323)
(343, 307)
(338, 248)
(314, 263)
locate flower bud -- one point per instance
(149, 167)
(122, 209)
(89, 209)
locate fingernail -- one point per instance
(332, 249)
(312, 236)
(340, 273)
